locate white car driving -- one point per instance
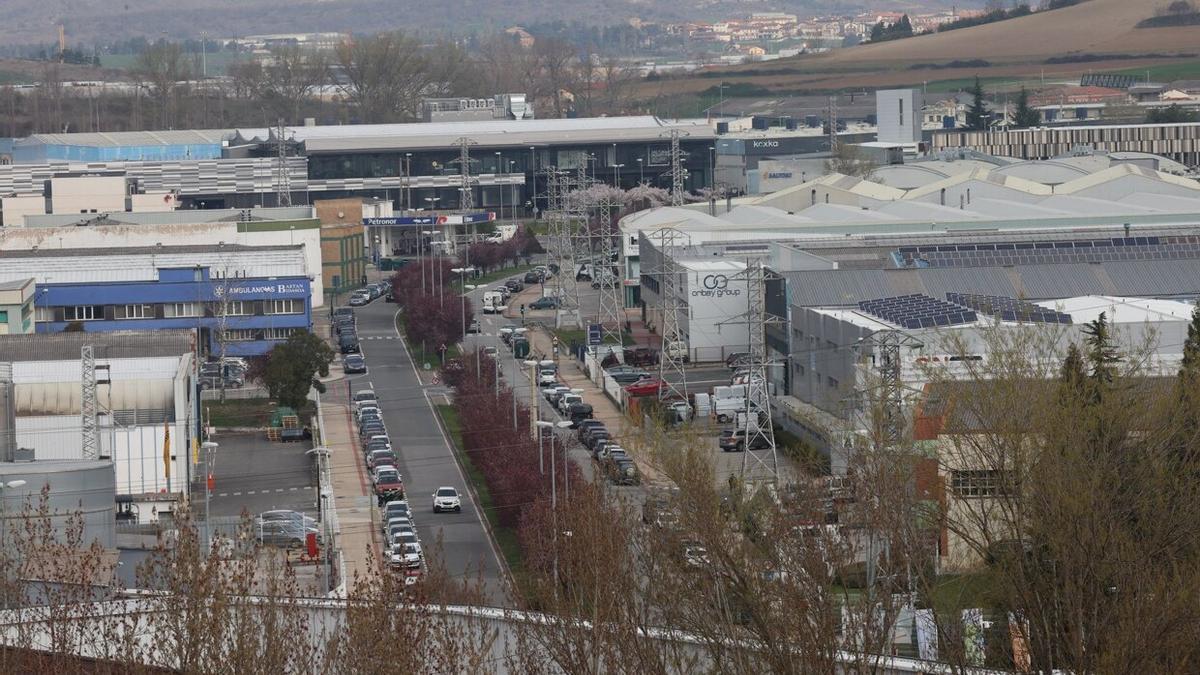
(446, 499)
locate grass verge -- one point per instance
(495, 275)
(247, 412)
(422, 354)
(506, 537)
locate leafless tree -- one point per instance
(291, 77)
(164, 68)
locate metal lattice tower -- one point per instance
(760, 461)
(610, 313)
(677, 170)
(89, 404)
(283, 178)
(889, 392)
(559, 225)
(833, 139)
(671, 358)
(467, 195)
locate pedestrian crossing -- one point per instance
(378, 337)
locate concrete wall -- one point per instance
(899, 115)
(87, 194)
(14, 209)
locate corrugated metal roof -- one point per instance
(108, 344)
(116, 139)
(179, 217)
(58, 266)
(1061, 281)
(1160, 277)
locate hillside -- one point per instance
(1096, 35)
(90, 21)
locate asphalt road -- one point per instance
(255, 475)
(426, 459)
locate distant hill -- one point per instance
(1094, 35)
(89, 21)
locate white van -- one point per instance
(493, 302)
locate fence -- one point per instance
(237, 394)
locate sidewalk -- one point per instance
(571, 372)
(352, 494)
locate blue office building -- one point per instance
(238, 298)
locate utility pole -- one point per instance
(677, 170)
(466, 190)
(673, 352)
(283, 178)
(88, 403)
(760, 462)
(833, 139)
(609, 311)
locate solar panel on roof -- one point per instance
(1008, 309)
(917, 311)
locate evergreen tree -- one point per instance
(977, 114)
(1072, 376)
(1102, 356)
(903, 28)
(877, 32)
(1025, 116)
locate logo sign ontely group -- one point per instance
(715, 286)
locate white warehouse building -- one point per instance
(146, 391)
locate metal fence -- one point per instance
(234, 394)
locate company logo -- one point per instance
(779, 174)
(277, 289)
(764, 144)
(715, 286)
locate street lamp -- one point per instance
(428, 233)
(617, 179)
(553, 485)
(499, 185)
(210, 449)
(641, 174)
(533, 404)
(15, 483)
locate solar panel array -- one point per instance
(1008, 309)
(1177, 247)
(918, 311)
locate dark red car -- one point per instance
(649, 386)
(387, 481)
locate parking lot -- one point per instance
(252, 474)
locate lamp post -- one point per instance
(466, 290)
(428, 233)
(542, 424)
(210, 449)
(407, 181)
(16, 483)
(641, 173)
(499, 185)
(533, 404)
(617, 179)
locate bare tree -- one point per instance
(385, 76)
(289, 79)
(164, 68)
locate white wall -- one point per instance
(14, 209)
(711, 323)
(87, 194)
(899, 116)
(110, 236)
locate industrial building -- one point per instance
(239, 300)
(1179, 142)
(294, 226)
(146, 390)
(16, 306)
(412, 165)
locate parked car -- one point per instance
(587, 425)
(343, 311)
(565, 401)
(381, 458)
(446, 499)
(737, 360)
(397, 507)
(359, 299)
(641, 356)
(364, 395)
(533, 278)
(354, 364)
(553, 393)
(578, 413)
(473, 327)
(649, 386)
(387, 482)
(547, 376)
(290, 534)
(626, 374)
(349, 344)
(734, 440)
(515, 285)
(544, 303)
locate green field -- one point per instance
(1186, 70)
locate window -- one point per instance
(181, 309)
(233, 308)
(135, 311)
(43, 314)
(278, 333)
(977, 483)
(293, 306)
(83, 313)
(901, 102)
(832, 382)
(3, 316)
(241, 335)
